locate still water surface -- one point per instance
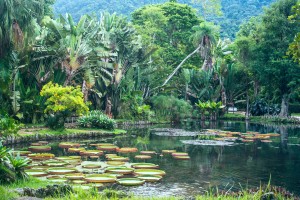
(243, 165)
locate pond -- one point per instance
(229, 166)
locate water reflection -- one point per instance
(222, 166)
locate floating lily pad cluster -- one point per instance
(111, 165)
(229, 138)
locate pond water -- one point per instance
(241, 165)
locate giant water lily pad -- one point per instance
(119, 170)
(36, 173)
(91, 153)
(168, 151)
(118, 158)
(182, 157)
(100, 178)
(67, 145)
(127, 150)
(41, 156)
(180, 154)
(39, 148)
(75, 176)
(149, 172)
(61, 170)
(102, 144)
(144, 166)
(142, 157)
(58, 180)
(207, 143)
(54, 163)
(22, 153)
(92, 166)
(150, 178)
(130, 181)
(147, 152)
(107, 148)
(75, 150)
(79, 182)
(115, 163)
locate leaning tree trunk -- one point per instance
(247, 109)
(108, 107)
(284, 106)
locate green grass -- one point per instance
(31, 183)
(295, 114)
(68, 131)
(233, 116)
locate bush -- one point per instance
(294, 108)
(11, 167)
(96, 119)
(261, 107)
(172, 108)
(62, 102)
(8, 126)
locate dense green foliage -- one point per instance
(62, 102)
(162, 62)
(8, 126)
(96, 119)
(234, 12)
(11, 167)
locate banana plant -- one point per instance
(202, 107)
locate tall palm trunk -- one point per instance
(284, 106)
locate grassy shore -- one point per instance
(33, 131)
(241, 117)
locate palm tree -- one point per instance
(15, 19)
(204, 38)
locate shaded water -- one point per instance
(222, 166)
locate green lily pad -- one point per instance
(91, 166)
(79, 182)
(119, 170)
(107, 148)
(139, 172)
(144, 166)
(75, 176)
(182, 157)
(22, 153)
(54, 163)
(36, 173)
(61, 171)
(41, 156)
(130, 181)
(67, 145)
(91, 153)
(59, 180)
(39, 148)
(100, 178)
(150, 178)
(118, 158)
(142, 157)
(180, 154)
(115, 163)
(148, 152)
(168, 151)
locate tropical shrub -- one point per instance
(171, 108)
(11, 167)
(8, 126)
(96, 119)
(62, 102)
(144, 112)
(212, 107)
(260, 107)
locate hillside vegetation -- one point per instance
(235, 12)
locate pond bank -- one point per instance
(32, 135)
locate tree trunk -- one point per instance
(284, 106)
(247, 109)
(85, 91)
(182, 62)
(108, 107)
